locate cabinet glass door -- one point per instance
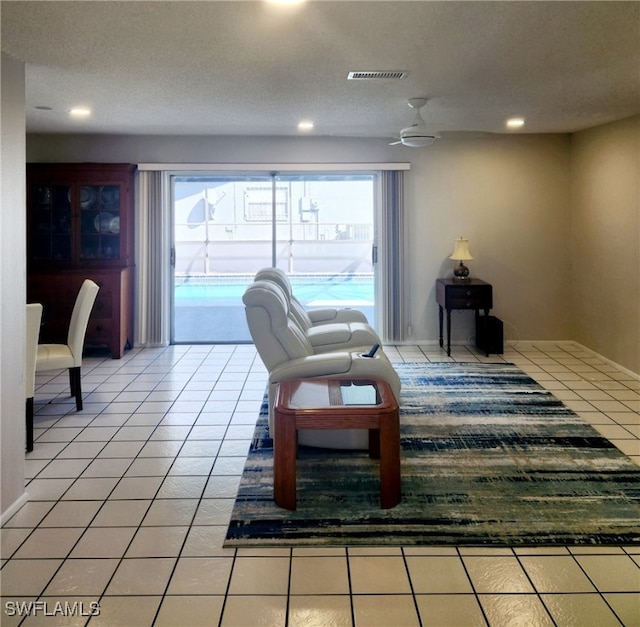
(51, 222)
(99, 222)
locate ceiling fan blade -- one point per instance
(395, 143)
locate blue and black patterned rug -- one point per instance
(488, 458)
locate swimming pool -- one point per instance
(313, 290)
(209, 309)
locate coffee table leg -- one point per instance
(374, 443)
(390, 482)
(284, 461)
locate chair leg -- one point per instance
(29, 424)
(76, 388)
(72, 383)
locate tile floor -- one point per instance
(130, 498)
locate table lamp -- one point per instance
(461, 253)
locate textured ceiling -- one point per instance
(242, 67)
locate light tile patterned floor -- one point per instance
(130, 498)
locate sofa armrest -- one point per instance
(322, 316)
(323, 365)
(329, 315)
(329, 334)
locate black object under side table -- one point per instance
(461, 294)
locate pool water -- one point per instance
(209, 309)
(310, 292)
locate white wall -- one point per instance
(606, 240)
(508, 194)
(12, 286)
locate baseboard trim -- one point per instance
(519, 344)
(630, 373)
(13, 508)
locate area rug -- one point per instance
(488, 458)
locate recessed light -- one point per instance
(285, 2)
(515, 123)
(305, 126)
(80, 111)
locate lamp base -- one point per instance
(461, 272)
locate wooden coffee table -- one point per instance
(336, 404)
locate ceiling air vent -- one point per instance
(366, 76)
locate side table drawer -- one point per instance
(470, 302)
(469, 297)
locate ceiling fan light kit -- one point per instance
(408, 137)
(417, 135)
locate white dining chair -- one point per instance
(34, 317)
(69, 355)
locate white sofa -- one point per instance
(287, 353)
(333, 328)
(313, 317)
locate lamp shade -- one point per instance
(461, 250)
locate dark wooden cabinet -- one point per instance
(461, 294)
(80, 225)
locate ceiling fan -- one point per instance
(417, 135)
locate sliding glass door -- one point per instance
(317, 227)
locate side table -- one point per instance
(322, 403)
(461, 294)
